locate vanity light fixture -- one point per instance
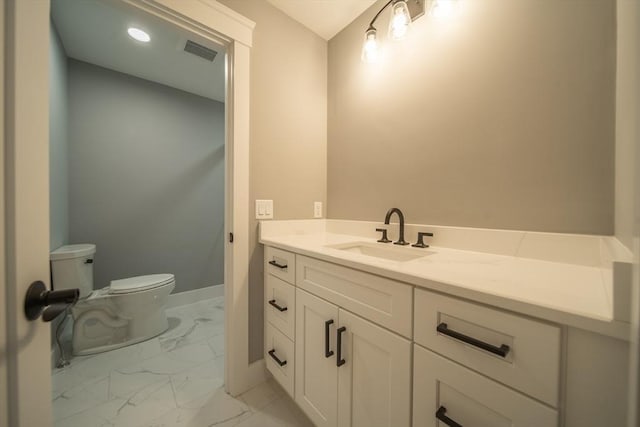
(403, 12)
(138, 34)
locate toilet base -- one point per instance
(109, 347)
(96, 332)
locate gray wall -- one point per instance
(288, 130)
(500, 117)
(146, 177)
(58, 143)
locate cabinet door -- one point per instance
(445, 393)
(316, 388)
(374, 383)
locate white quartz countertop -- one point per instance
(570, 294)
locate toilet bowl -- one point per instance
(126, 312)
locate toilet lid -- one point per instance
(139, 283)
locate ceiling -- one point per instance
(95, 31)
(324, 17)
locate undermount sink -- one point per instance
(381, 250)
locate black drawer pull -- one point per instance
(440, 414)
(273, 303)
(275, 264)
(340, 361)
(327, 352)
(272, 353)
(501, 351)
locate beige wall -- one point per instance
(288, 130)
(627, 109)
(500, 117)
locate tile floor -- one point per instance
(175, 379)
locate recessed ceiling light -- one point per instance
(138, 34)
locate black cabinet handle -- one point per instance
(327, 352)
(273, 303)
(340, 361)
(275, 264)
(440, 414)
(272, 353)
(501, 351)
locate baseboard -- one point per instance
(189, 297)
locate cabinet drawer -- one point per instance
(459, 330)
(469, 399)
(383, 301)
(281, 264)
(279, 357)
(280, 305)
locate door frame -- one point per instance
(207, 18)
(4, 420)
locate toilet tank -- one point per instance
(72, 267)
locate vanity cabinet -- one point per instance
(466, 354)
(357, 349)
(517, 351)
(279, 325)
(349, 371)
(446, 393)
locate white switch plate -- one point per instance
(317, 209)
(264, 209)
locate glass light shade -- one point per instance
(400, 20)
(370, 46)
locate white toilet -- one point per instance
(126, 312)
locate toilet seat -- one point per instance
(139, 283)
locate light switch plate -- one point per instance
(264, 209)
(317, 209)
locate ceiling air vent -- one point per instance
(199, 50)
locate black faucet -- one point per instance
(401, 218)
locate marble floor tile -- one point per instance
(81, 397)
(123, 384)
(217, 344)
(173, 380)
(197, 382)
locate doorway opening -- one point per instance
(137, 210)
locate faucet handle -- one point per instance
(384, 238)
(420, 243)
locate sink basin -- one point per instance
(381, 250)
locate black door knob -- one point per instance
(49, 304)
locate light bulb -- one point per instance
(370, 46)
(400, 20)
(138, 34)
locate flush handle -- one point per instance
(50, 304)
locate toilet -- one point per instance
(126, 312)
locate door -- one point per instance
(26, 204)
(374, 383)
(316, 389)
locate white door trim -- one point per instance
(210, 19)
(4, 420)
